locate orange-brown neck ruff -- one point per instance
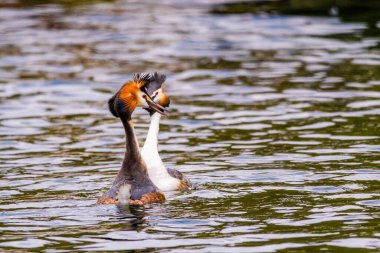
(128, 94)
(164, 100)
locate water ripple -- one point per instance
(274, 121)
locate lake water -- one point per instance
(275, 119)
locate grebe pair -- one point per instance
(142, 177)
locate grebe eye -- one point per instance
(155, 95)
(143, 88)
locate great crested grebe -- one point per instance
(165, 179)
(132, 184)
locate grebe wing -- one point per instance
(185, 182)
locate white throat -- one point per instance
(151, 141)
(156, 169)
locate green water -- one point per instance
(275, 119)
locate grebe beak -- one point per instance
(152, 105)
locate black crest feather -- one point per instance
(111, 105)
(142, 77)
(158, 77)
(155, 82)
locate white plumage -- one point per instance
(156, 169)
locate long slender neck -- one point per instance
(151, 139)
(133, 164)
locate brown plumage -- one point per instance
(132, 184)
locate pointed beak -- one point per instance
(152, 105)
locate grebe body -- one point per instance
(132, 184)
(165, 179)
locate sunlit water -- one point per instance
(275, 119)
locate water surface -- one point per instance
(275, 119)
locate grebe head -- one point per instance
(157, 90)
(133, 94)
